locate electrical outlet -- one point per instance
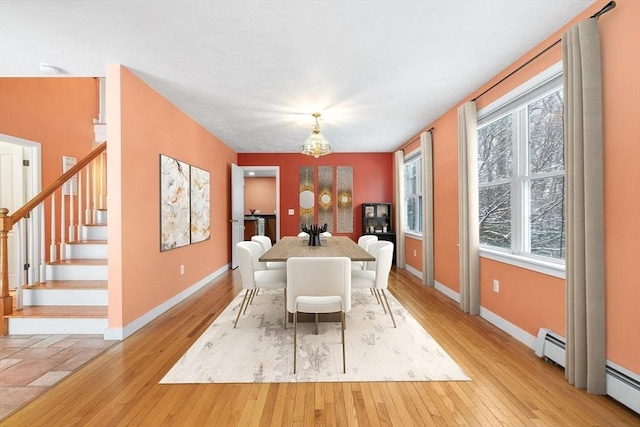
(291, 211)
(415, 252)
(496, 286)
(181, 269)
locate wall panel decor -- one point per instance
(200, 205)
(307, 194)
(174, 203)
(325, 196)
(344, 189)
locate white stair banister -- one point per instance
(52, 247)
(63, 244)
(80, 236)
(72, 220)
(88, 216)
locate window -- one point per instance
(413, 194)
(521, 173)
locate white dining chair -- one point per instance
(376, 279)
(326, 234)
(303, 234)
(318, 285)
(265, 243)
(255, 276)
(363, 242)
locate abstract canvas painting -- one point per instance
(174, 203)
(200, 205)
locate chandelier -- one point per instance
(316, 145)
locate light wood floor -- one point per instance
(509, 386)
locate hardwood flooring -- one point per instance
(510, 386)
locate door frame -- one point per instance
(276, 171)
(32, 150)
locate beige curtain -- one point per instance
(586, 352)
(398, 184)
(468, 209)
(426, 148)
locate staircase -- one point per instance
(74, 299)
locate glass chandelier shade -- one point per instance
(316, 145)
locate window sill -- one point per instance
(413, 235)
(530, 263)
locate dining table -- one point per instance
(334, 246)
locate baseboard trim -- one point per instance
(520, 334)
(413, 271)
(122, 333)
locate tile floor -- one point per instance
(29, 364)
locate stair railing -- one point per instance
(95, 198)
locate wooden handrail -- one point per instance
(20, 213)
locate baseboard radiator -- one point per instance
(622, 386)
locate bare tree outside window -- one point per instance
(521, 179)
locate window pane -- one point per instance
(410, 219)
(546, 134)
(494, 150)
(419, 217)
(495, 215)
(547, 217)
(409, 178)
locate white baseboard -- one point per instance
(521, 335)
(131, 328)
(447, 291)
(413, 271)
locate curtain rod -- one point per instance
(596, 15)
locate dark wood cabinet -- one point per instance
(251, 226)
(376, 220)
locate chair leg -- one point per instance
(251, 295)
(240, 309)
(375, 294)
(316, 323)
(285, 308)
(387, 301)
(295, 338)
(344, 357)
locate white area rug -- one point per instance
(260, 350)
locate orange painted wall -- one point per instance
(372, 181)
(58, 113)
(142, 125)
(260, 193)
(410, 245)
(532, 300)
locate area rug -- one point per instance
(260, 350)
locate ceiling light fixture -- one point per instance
(316, 145)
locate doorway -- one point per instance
(266, 172)
(20, 177)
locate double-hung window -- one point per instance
(413, 194)
(521, 173)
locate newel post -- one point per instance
(6, 301)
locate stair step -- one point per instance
(58, 320)
(101, 216)
(87, 249)
(66, 293)
(60, 311)
(96, 231)
(77, 269)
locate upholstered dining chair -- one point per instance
(318, 285)
(256, 276)
(265, 243)
(303, 234)
(376, 278)
(363, 242)
(326, 234)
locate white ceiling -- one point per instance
(252, 72)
